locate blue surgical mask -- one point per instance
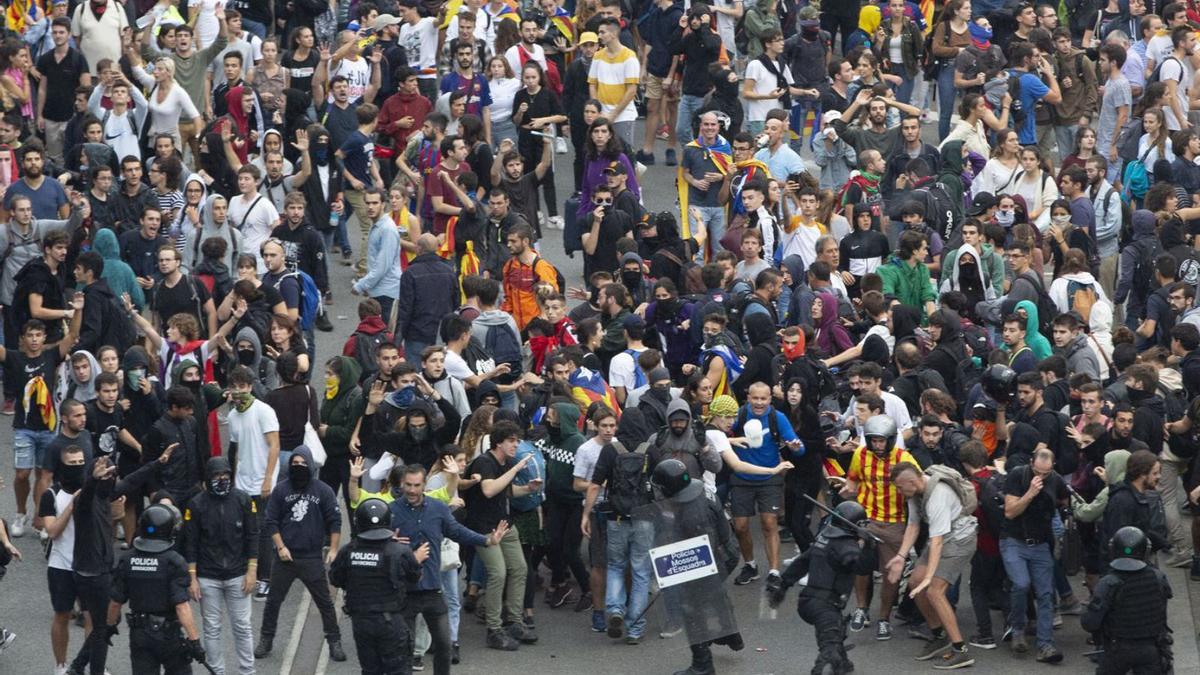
(1005, 218)
(403, 397)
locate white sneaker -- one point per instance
(60, 669)
(560, 145)
(6, 638)
(555, 222)
(17, 528)
(42, 535)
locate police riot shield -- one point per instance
(688, 566)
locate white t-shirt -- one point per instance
(457, 366)
(420, 44)
(622, 371)
(248, 429)
(585, 458)
(62, 552)
(1174, 70)
(255, 218)
(358, 77)
(514, 57)
(764, 83)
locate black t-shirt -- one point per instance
(615, 224)
(104, 428)
(26, 369)
(542, 104)
(484, 513)
(62, 77)
(301, 71)
(1034, 523)
(185, 297)
(286, 286)
(60, 442)
(523, 196)
(340, 123)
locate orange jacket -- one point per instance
(520, 299)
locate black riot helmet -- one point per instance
(156, 529)
(1128, 548)
(373, 519)
(851, 511)
(999, 382)
(670, 477)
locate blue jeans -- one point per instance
(453, 600)
(945, 95)
(905, 89)
(252, 26)
(688, 107)
(714, 225)
(628, 545)
(1030, 565)
(29, 449)
(412, 348)
(800, 109)
(337, 236)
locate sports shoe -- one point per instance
(1008, 634)
(646, 158)
(749, 573)
(522, 632)
(933, 648)
(1195, 573)
(954, 659)
(883, 630)
(560, 145)
(633, 639)
(859, 619)
(347, 258)
(6, 638)
(9, 406)
(669, 631)
(584, 602)
(982, 641)
(60, 669)
(1058, 621)
(615, 626)
(774, 581)
(1181, 559)
(261, 591)
(558, 597)
(322, 323)
(671, 161)
(455, 657)
(336, 653)
(598, 621)
(500, 639)
(1049, 654)
(555, 222)
(417, 663)
(920, 631)
(1075, 607)
(263, 648)
(17, 527)
(663, 133)
(1019, 644)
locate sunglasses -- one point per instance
(602, 201)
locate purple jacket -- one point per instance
(593, 175)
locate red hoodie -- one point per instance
(401, 105)
(372, 325)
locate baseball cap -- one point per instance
(616, 168)
(588, 36)
(633, 321)
(982, 202)
(384, 20)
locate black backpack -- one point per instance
(500, 344)
(629, 484)
(735, 304)
(118, 328)
(772, 424)
(1047, 310)
(1016, 110)
(1147, 249)
(939, 209)
(991, 501)
(365, 345)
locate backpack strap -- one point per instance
(250, 210)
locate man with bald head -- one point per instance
(706, 168)
(428, 291)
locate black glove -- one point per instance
(110, 631)
(196, 651)
(776, 592)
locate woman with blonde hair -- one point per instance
(474, 440)
(170, 106)
(827, 214)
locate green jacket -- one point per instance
(341, 413)
(909, 283)
(758, 20)
(559, 448)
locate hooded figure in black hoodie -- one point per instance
(662, 245)
(145, 395)
(946, 329)
(319, 194)
(764, 346)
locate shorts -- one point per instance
(62, 589)
(29, 448)
(892, 535)
(747, 500)
(598, 542)
(656, 88)
(950, 567)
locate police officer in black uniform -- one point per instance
(1129, 610)
(153, 578)
(374, 570)
(696, 515)
(831, 564)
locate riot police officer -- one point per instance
(701, 606)
(1129, 610)
(153, 578)
(831, 564)
(374, 570)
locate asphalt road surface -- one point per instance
(567, 645)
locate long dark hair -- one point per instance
(611, 149)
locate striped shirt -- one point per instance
(612, 75)
(882, 501)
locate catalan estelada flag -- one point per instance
(587, 387)
(733, 368)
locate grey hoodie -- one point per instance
(210, 228)
(268, 381)
(492, 317)
(18, 248)
(1081, 358)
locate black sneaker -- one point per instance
(558, 597)
(774, 582)
(1049, 654)
(934, 648)
(322, 323)
(417, 663)
(500, 639)
(336, 653)
(263, 648)
(954, 659)
(455, 657)
(858, 620)
(646, 158)
(982, 641)
(522, 633)
(671, 157)
(615, 626)
(584, 603)
(749, 573)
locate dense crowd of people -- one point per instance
(988, 347)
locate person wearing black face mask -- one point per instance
(56, 508)
(301, 513)
(220, 544)
(654, 401)
(322, 188)
(604, 228)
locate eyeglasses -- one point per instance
(602, 201)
